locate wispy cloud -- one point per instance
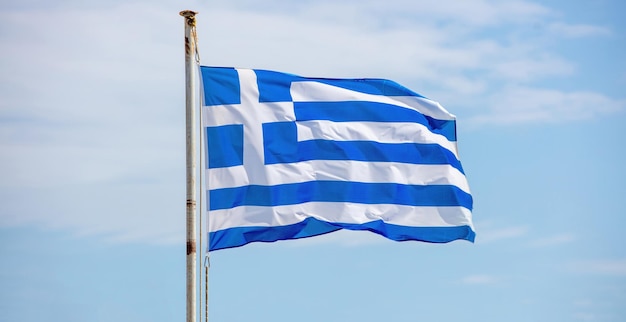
(554, 240)
(490, 235)
(519, 104)
(527, 69)
(577, 30)
(585, 316)
(88, 141)
(470, 12)
(482, 279)
(601, 267)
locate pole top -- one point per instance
(190, 16)
(188, 13)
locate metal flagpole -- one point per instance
(190, 85)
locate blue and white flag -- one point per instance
(292, 157)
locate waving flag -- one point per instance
(292, 157)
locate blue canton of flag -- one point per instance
(292, 157)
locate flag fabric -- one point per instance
(291, 157)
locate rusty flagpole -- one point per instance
(190, 86)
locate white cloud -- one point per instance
(489, 235)
(90, 140)
(525, 104)
(527, 69)
(577, 30)
(554, 240)
(616, 267)
(469, 12)
(585, 316)
(472, 12)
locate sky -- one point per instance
(92, 160)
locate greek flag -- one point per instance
(292, 157)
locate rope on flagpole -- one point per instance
(207, 264)
(201, 206)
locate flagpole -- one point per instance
(190, 101)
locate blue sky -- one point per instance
(92, 160)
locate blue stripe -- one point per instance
(275, 86)
(377, 152)
(355, 111)
(281, 146)
(339, 191)
(374, 86)
(221, 85)
(235, 237)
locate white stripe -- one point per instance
(349, 213)
(311, 91)
(384, 132)
(342, 170)
(218, 115)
